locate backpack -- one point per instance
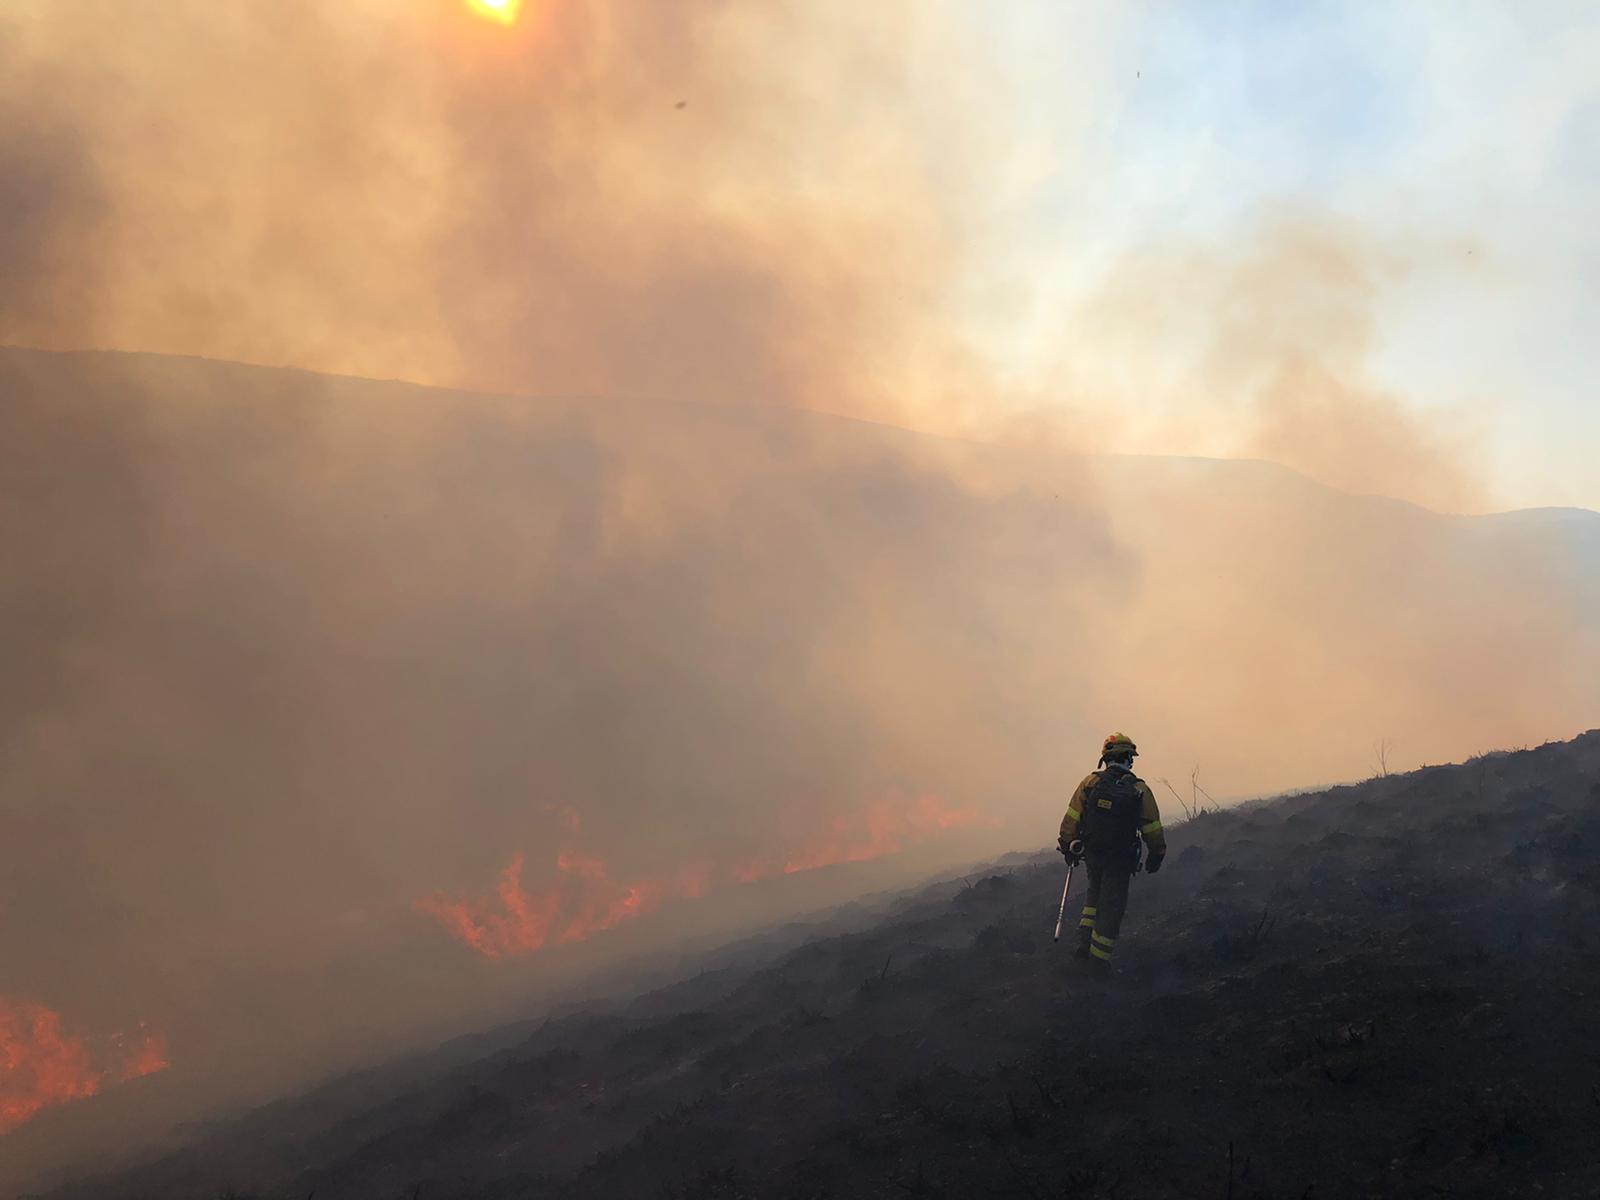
(1112, 808)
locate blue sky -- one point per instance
(1459, 143)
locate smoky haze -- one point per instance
(689, 199)
(806, 205)
(294, 653)
(292, 657)
(1263, 347)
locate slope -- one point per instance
(288, 654)
(1382, 989)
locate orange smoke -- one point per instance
(41, 1065)
(586, 900)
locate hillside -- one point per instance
(1386, 989)
(299, 667)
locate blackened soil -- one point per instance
(1391, 989)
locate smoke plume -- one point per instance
(1263, 347)
(691, 199)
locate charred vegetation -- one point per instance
(1381, 989)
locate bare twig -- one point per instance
(1188, 808)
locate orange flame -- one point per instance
(586, 900)
(887, 827)
(41, 1065)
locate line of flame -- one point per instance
(585, 899)
(42, 1065)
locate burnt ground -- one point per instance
(1389, 989)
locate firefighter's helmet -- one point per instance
(1117, 745)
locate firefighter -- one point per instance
(1112, 810)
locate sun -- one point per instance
(503, 11)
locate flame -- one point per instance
(522, 925)
(503, 11)
(585, 899)
(41, 1065)
(887, 827)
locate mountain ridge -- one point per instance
(1543, 511)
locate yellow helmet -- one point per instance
(1118, 743)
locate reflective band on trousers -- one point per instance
(1102, 940)
(1089, 910)
(1102, 955)
(1085, 922)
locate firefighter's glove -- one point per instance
(1071, 851)
(1153, 863)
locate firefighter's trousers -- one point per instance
(1103, 907)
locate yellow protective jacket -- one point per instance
(1149, 817)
